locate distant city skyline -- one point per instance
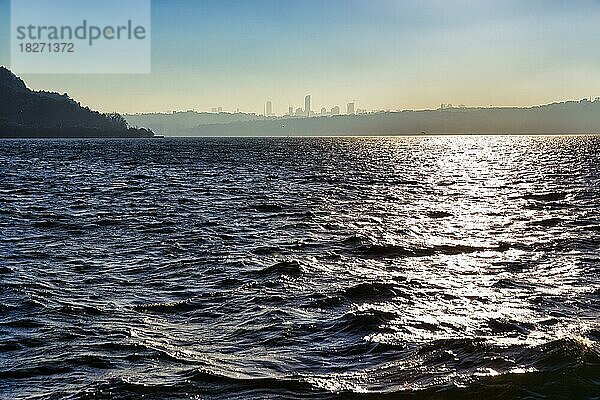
(351, 109)
(307, 111)
(387, 54)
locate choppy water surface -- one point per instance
(448, 267)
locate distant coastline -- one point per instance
(25, 113)
(571, 117)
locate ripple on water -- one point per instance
(434, 268)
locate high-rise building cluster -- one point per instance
(307, 111)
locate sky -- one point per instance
(383, 54)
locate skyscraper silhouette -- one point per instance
(307, 105)
(269, 109)
(350, 109)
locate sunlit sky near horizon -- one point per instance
(385, 54)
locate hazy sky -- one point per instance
(384, 54)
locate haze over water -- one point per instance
(436, 267)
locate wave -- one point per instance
(506, 326)
(439, 214)
(325, 301)
(396, 251)
(271, 383)
(266, 207)
(79, 309)
(33, 372)
(362, 292)
(364, 322)
(289, 268)
(267, 250)
(370, 291)
(551, 196)
(201, 382)
(169, 308)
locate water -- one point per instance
(442, 267)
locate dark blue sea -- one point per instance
(452, 267)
